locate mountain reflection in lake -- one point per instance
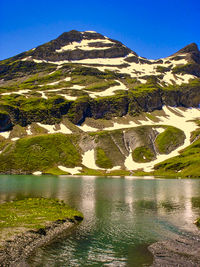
(122, 216)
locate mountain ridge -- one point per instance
(74, 35)
(82, 83)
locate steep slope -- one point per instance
(100, 85)
(100, 150)
(186, 164)
(124, 146)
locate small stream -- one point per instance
(122, 216)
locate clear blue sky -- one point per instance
(151, 28)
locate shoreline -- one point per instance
(142, 176)
(15, 252)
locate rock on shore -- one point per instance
(182, 251)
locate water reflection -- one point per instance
(122, 216)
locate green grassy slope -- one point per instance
(169, 140)
(187, 164)
(40, 153)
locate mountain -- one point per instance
(104, 109)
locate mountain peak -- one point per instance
(77, 36)
(75, 45)
(189, 49)
(190, 52)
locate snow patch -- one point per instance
(87, 128)
(28, 131)
(91, 31)
(115, 168)
(20, 92)
(26, 58)
(159, 130)
(43, 95)
(40, 61)
(72, 171)
(68, 97)
(84, 45)
(51, 128)
(37, 173)
(64, 129)
(67, 79)
(88, 160)
(15, 138)
(5, 134)
(110, 91)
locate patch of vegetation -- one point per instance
(87, 171)
(84, 80)
(88, 71)
(143, 89)
(170, 139)
(37, 130)
(142, 154)
(34, 213)
(191, 84)
(18, 131)
(194, 135)
(3, 143)
(38, 79)
(18, 68)
(102, 160)
(190, 68)
(162, 69)
(151, 117)
(39, 153)
(55, 171)
(187, 164)
(96, 87)
(92, 172)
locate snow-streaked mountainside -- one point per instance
(84, 103)
(93, 49)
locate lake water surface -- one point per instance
(122, 216)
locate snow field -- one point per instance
(84, 45)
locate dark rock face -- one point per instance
(48, 50)
(109, 107)
(79, 110)
(5, 122)
(23, 117)
(105, 107)
(188, 98)
(189, 49)
(146, 103)
(192, 51)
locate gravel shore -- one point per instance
(15, 252)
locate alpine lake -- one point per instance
(122, 216)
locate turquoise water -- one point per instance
(122, 216)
